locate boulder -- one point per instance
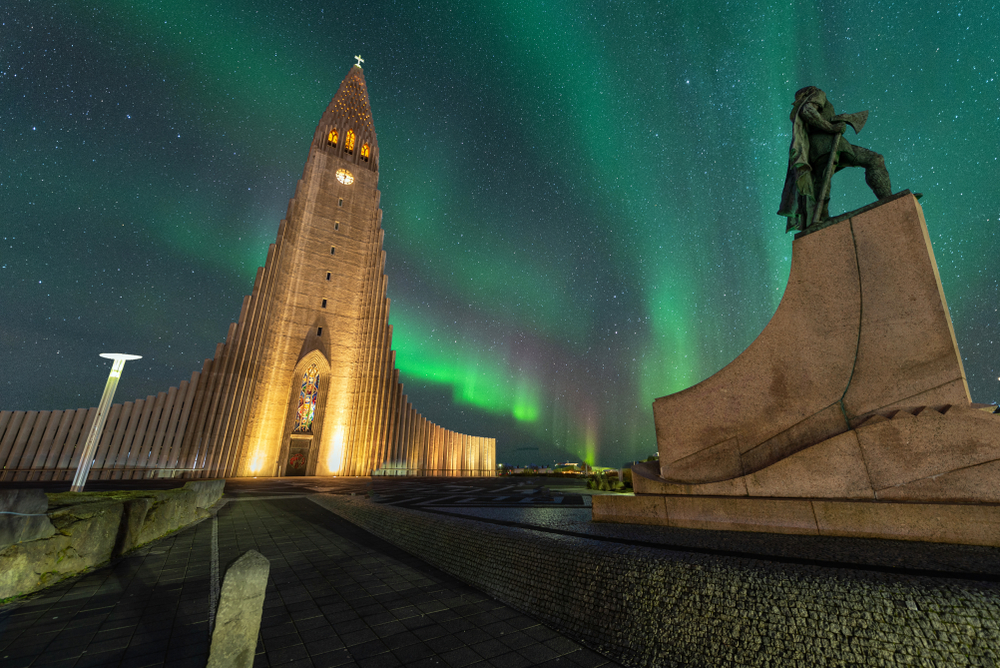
(84, 536)
(82, 530)
(23, 516)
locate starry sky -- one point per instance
(579, 197)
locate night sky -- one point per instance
(579, 197)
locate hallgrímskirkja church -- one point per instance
(306, 382)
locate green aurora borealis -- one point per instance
(579, 198)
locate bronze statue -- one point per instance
(818, 150)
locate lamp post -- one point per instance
(87, 456)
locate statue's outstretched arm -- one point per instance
(812, 116)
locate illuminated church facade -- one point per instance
(305, 383)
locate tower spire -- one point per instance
(346, 130)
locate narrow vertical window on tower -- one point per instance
(331, 139)
(349, 142)
(307, 401)
(365, 152)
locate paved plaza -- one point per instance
(339, 596)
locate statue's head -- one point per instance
(803, 93)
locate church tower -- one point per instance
(330, 289)
(306, 381)
(326, 400)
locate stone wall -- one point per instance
(92, 527)
(652, 607)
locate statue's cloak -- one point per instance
(798, 198)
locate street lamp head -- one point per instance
(121, 356)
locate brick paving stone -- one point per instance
(509, 660)
(331, 659)
(537, 653)
(413, 653)
(585, 658)
(561, 644)
(445, 643)
(401, 639)
(490, 648)
(430, 631)
(379, 661)
(389, 629)
(461, 657)
(284, 655)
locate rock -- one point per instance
(23, 516)
(207, 492)
(84, 530)
(171, 510)
(241, 603)
(132, 524)
(84, 536)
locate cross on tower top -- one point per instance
(360, 60)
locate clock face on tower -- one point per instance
(345, 177)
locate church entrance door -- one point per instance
(298, 456)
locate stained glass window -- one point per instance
(349, 142)
(331, 138)
(365, 152)
(307, 401)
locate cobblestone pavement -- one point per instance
(653, 605)
(337, 596)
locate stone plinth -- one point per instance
(863, 329)
(849, 414)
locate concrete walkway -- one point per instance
(337, 596)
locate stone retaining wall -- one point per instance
(92, 527)
(652, 607)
